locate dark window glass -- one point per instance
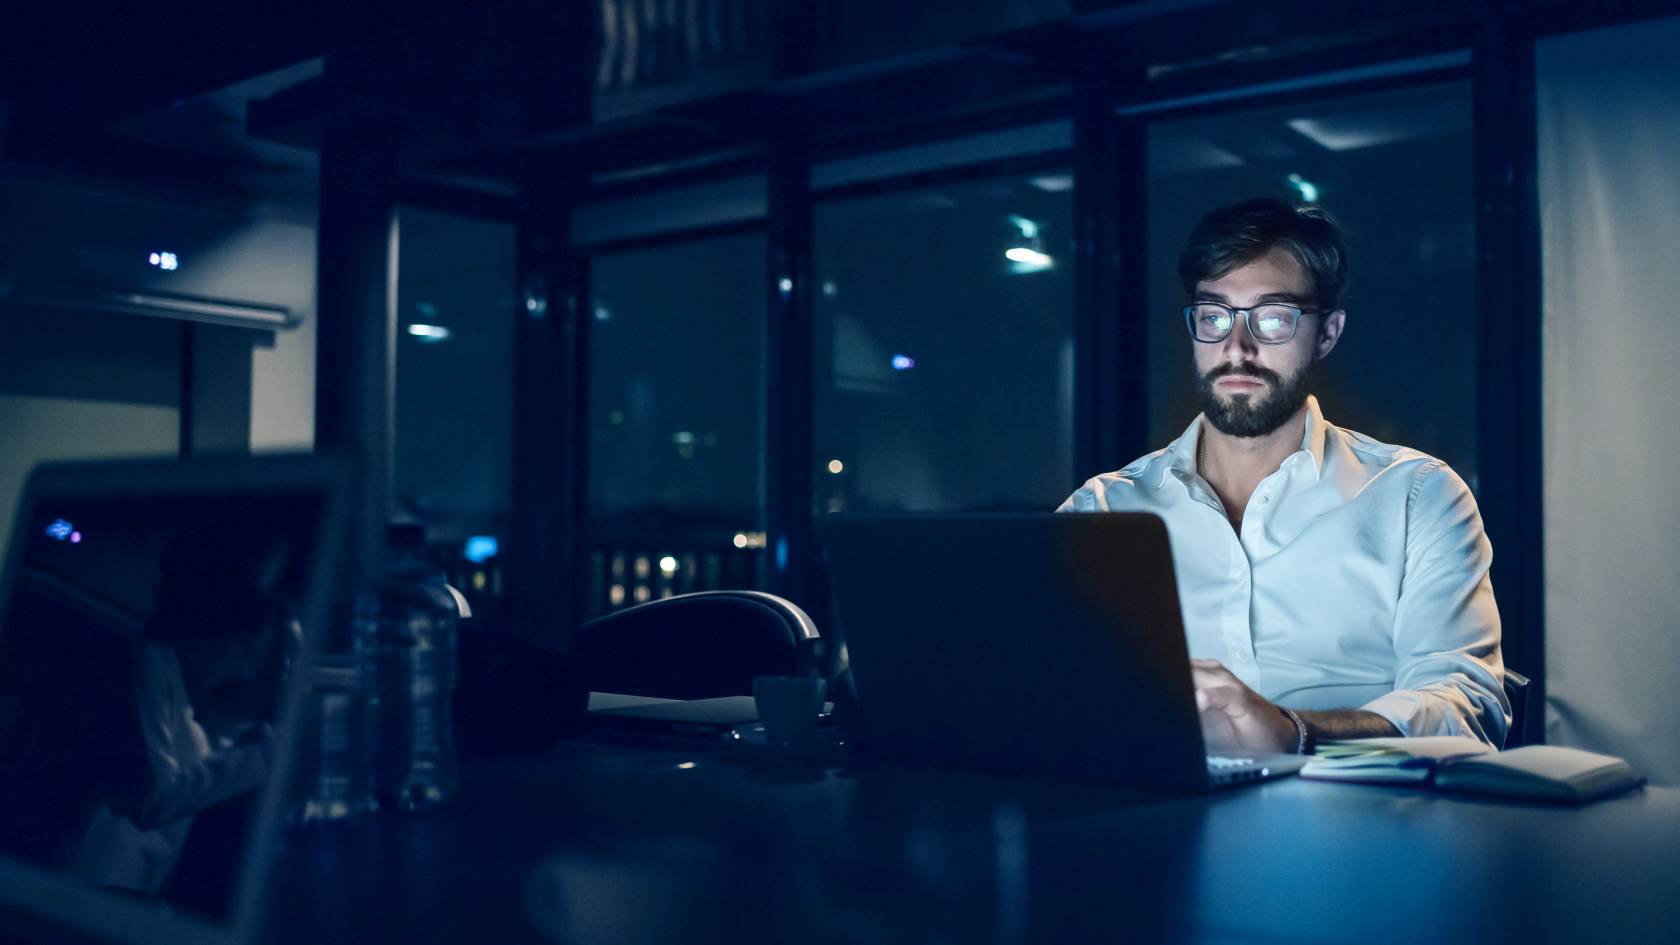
(454, 402)
(1395, 169)
(675, 429)
(944, 321)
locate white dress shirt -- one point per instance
(138, 848)
(1360, 578)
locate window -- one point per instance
(1395, 169)
(454, 400)
(675, 428)
(944, 358)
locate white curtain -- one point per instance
(1609, 152)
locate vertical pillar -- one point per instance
(554, 49)
(788, 394)
(1508, 302)
(215, 389)
(1111, 343)
(356, 298)
(547, 557)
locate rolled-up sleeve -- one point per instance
(1084, 499)
(1449, 672)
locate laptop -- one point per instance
(153, 616)
(1040, 644)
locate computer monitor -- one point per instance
(153, 616)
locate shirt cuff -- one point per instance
(1417, 713)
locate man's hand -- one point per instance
(1235, 717)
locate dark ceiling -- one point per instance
(230, 93)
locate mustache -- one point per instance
(1247, 370)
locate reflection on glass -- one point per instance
(1395, 169)
(142, 657)
(944, 322)
(675, 365)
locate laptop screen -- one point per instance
(145, 645)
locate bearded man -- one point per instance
(1332, 586)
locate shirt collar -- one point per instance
(1181, 455)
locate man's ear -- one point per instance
(1329, 333)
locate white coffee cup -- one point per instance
(789, 706)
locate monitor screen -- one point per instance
(145, 643)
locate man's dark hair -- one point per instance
(1233, 236)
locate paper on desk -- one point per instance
(1433, 747)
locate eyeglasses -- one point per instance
(1271, 323)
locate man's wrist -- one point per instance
(1302, 742)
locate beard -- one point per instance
(1251, 415)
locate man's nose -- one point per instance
(1239, 345)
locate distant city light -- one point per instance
(786, 285)
(836, 467)
(667, 565)
(749, 540)
(481, 548)
(1306, 188)
(685, 765)
(75, 538)
(1052, 183)
(430, 334)
(1028, 228)
(829, 289)
(903, 362)
(603, 314)
(60, 530)
(165, 261)
(682, 437)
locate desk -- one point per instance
(610, 844)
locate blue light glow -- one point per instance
(481, 548)
(60, 530)
(165, 261)
(1306, 188)
(903, 362)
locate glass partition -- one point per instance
(944, 351)
(1395, 169)
(675, 426)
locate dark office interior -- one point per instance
(589, 305)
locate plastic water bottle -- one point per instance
(336, 777)
(405, 639)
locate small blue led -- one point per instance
(481, 548)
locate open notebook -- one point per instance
(1545, 772)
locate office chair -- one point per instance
(1517, 692)
(697, 646)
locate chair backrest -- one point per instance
(696, 646)
(1517, 692)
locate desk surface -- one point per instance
(610, 844)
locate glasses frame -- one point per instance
(1242, 313)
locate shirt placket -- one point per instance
(1235, 627)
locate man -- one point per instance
(1332, 586)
